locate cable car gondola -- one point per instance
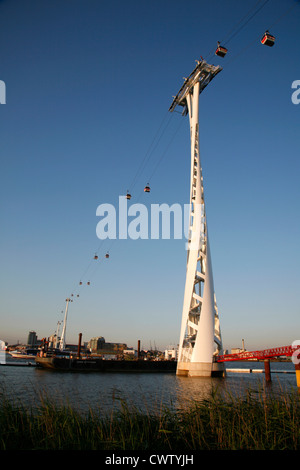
(147, 189)
(128, 196)
(95, 257)
(88, 283)
(268, 39)
(107, 255)
(221, 51)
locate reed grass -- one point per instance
(256, 421)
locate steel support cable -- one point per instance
(225, 40)
(96, 262)
(150, 152)
(155, 169)
(249, 19)
(91, 262)
(84, 273)
(255, 40)
(96, 267)
(99, 247)
(163, 155)
(158, 163)
(242, 19)
(166, 150)
(142, 166)
(79, 287)
(99, 262)
(150, 149)
(82, 277)
(284, 14)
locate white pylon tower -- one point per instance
(62, 342)
(200, 335)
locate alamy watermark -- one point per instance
(296, 94)
(296, 352)
(2, 92)
(163, 221)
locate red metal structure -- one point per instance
(259, 355)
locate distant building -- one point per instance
(53, 341)
(130, 352)
(98, 345)
(32, 338)
(171, 354)
(237, 350)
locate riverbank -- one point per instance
(257, 421)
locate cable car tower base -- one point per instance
(200, 337)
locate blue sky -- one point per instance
(88, 86)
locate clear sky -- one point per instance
(88, 88)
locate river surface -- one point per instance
(149, 392)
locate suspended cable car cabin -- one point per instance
(128, 196)
(80, 283)
(107, 255)
(268, 39)
(221, 51)
(95, 257)
(88, 283)
(147, 189)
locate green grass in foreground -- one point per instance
(254, 422)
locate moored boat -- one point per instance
(24, 353)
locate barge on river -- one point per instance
(63, 363)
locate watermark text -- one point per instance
(296, 94)
(164, 221)
(296, 353)
(2, 92)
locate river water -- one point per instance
(149, 392)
